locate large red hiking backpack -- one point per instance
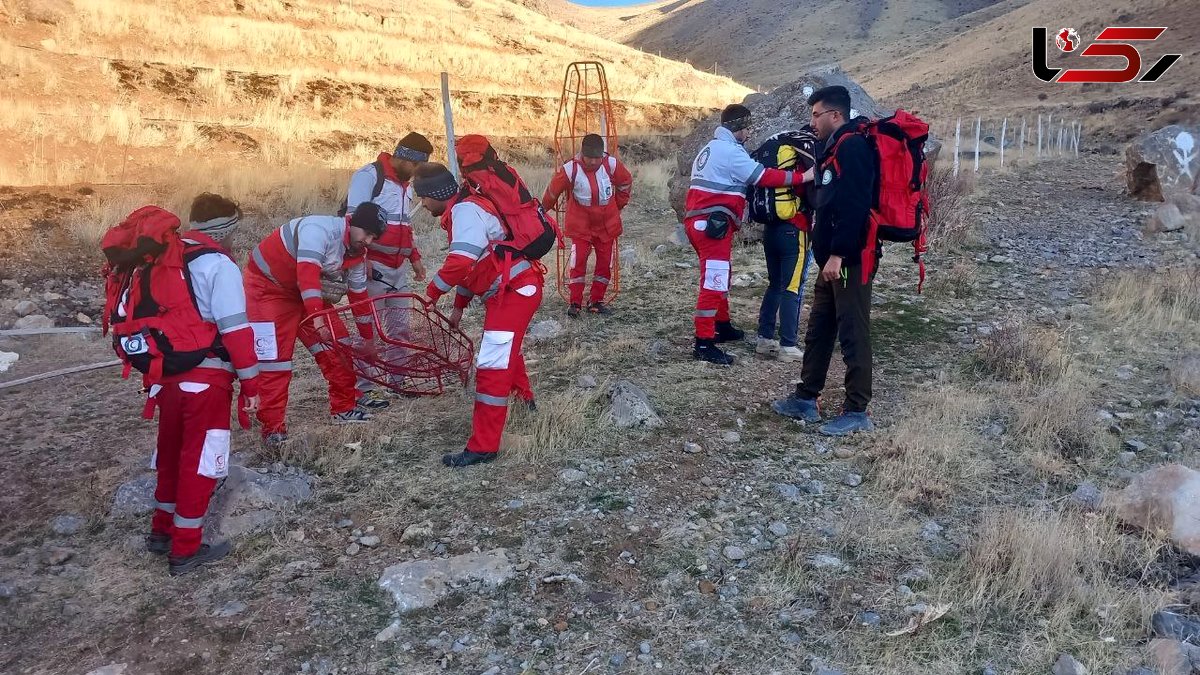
(900, 204)
(148, 301)
(532, 232)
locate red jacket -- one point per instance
(596, 197)
(398, 201)
(721, 173)
(471, 267)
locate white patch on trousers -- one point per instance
(495, 350)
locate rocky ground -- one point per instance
(654, 515)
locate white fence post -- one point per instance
(452, 157)
(1039, 150)
(978, 121)
(1021, 143)
(957, 142)
(1003, 134)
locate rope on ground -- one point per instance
(57, 373)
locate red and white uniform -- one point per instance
(283, 286)
(474, 270)
(721, 173)
(389, 253)
(193, 407)
(593, 218)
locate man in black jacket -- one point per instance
(841, 306)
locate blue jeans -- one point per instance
(788, 257)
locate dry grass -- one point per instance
(1159, 302)
(1056, 421)
(1018, 353)
(934, 452)
(949, 222)
(562, 422)
(89, 223)
(1059, 580)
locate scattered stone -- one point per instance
(419, 584)
(56, 555)
(813, 487)
(1162, 163)
(852, 479)
(644, 648)
(869, 619)
(843, 453)
(1067, 665)
(931, 530)
(1169, 657)
(110, 669)
(707, 587)
(231, 608)
(1136, 445)
(417, 532)
(692, 448)
(586, 382)
(1125, 373)
(778, 528)
(617, 660)
(68, 524)
(1175, 626)
(391, 632)
(572, 476)
(34, 322)
(631, 407)
(353, 549)
(370, 541)
(83, 319)
(734, 553)
(547, 329)
(251, 500)
(916, 576)
(1126, 458)
(24, 308)
(8, 360)
(299, 568)
(789, 492)
(1165, 498)
(629, 257)
(1088, 496)
(344, 523)
(819, 668)
(822, 561)
(732, 437)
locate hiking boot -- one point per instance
(574, 310)
(790, 354)
(353, 416)
(846, 424)
(727, 333)
(599, 308)
(766, 346)
(374, 400)
(803, 409)
(707, 350)
(275, 441)
(208, 553)
(158, 543)
(465, 458)
(531, 404)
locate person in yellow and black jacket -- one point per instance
(841, 307)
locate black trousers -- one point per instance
(841, 311)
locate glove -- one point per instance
(332, 289)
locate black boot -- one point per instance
(573, 310)
(707, 350)
(158, 543)
(208, 553)
(727, 333)
(467, 458)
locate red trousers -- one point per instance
(274, 309)
(192, 453)
(500, 365)
(712, 304)
(581, 249)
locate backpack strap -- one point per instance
(380, 177)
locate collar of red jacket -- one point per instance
(385, 160)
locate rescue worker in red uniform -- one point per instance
(599, 187)
(283, 287)
(715, 207)
(473, 268)
(394, 257)
(192, 452)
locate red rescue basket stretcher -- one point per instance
(585, 108)
(419, 353)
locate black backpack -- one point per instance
(375, 191)
(789, 151)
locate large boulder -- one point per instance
(782, 109)
(1163, 499)
(631, 407)
(418, 584)
(1164, 162)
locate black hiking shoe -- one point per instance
(467, 458)
(600, 308)
(531, 404)
(208, 553)
(158, 543)
(707, 350)
(574, 310)
(727, 333)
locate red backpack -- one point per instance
(898, 213)
(148, 300)
(531, 231)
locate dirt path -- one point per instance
(819, 535)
